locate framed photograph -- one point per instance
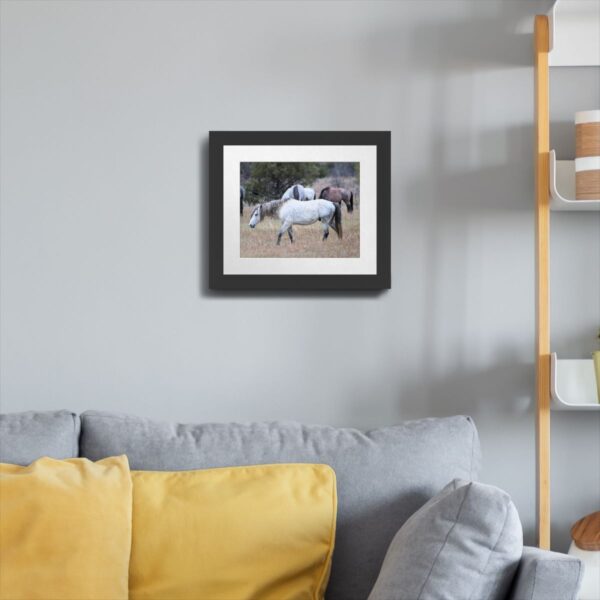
(299, 210)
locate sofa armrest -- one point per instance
(544, 575)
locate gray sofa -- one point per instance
(383, 476)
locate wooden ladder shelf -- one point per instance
(567, 36)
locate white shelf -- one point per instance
(574, 33)
(562, 187)
(573, 384)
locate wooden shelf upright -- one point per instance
(542, 212)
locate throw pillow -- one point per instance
(65, 529)
(233, 533)
(464, 544)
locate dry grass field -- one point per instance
(261, 241)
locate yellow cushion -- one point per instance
(65, 529)
(240, 533)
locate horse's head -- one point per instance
(255, 217)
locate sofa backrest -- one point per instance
(383, 476)
(27, 436)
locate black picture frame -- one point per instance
(378, 281)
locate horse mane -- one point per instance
(323, 191)
(269, 208)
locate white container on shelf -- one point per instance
(562, 187)
(573, 384)
(576, 381)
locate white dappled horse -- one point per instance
(298, 212)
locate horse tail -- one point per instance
(351, 206)
(338, 219)
(324, 193)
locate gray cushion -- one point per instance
(545, 575)
(464, 544)
(383, 476)
(27, 436)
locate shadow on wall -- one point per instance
(449, 206)
(449, 199)
(493, 35)
(468, 391)
(460, 389)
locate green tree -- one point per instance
(267, 180)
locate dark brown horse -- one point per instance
(338, 195)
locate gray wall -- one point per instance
(105, 113)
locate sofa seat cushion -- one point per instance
(464, 544)
(65, 530)
(27, 436)
(383, 476)
(233, 533)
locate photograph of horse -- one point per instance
(305, 201)
(300, 212)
